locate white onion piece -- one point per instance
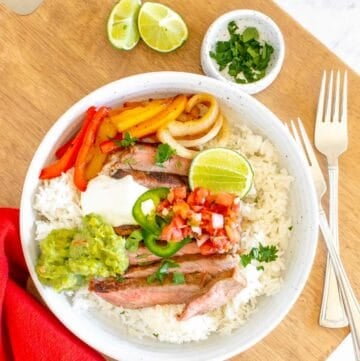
(212, 133)
(224, 134)
(191, 127)
(165, 137)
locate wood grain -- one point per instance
(55, 56)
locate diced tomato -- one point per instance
(224, 199)
(179, 192)
(212, 219)
(177, 222)
(191, 199)
(170, 233)
(181, 208)
(201, 195)
(207, 248)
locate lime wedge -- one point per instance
(122, 28)
(221, 170)
(161, 28)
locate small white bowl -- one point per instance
(268, 32)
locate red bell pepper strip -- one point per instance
(108, 146)
(68, 159)
(62, 150)
(89, 140)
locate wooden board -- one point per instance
(54, 57)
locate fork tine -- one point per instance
(308, 146)
(344, 99)
(336, 101)
(320, 108)
(297, 139)
(329, 98)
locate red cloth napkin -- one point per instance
(29, 331)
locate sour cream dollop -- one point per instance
(111, 198)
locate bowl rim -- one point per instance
(157, 78)
(208, 65)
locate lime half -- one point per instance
(161, 28)
(122, 28)
(221, 170)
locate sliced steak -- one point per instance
(126, 229)
(142, 157)
(143, 255)
(137, 293)
(218, 292)
(189, 264)
(153, 179)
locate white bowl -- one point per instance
(105, 337)
(268, 31)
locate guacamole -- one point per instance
(69, 258)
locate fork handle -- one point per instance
(332, 312)
(351, 304)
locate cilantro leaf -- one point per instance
(178, 278)
(261, 254)
(162, 271)
(250, 34)
(127, 141)
(163, 153)
(132, 242)
(243, 56)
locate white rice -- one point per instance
(265, 220)
(57, 202)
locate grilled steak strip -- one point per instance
(189, 264)
(218, 293)
(137, 293)
(142, 157)
(153, 179)
(126, 229)
(143, 255)
(201, 292)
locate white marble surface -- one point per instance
(336, 23)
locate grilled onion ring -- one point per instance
(191, 127)
(212, 133)
(165, 136)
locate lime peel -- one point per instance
(210, 169)
(161, 28)
(122, 28)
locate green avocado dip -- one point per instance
(71, 257)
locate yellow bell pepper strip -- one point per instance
(172, 111)
(86, 147)
(107, 130)
(134, 116)
(69, 157)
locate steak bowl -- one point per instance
(105, 336)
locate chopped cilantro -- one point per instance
(162, 271)
(163, 153)
(245, 58)
(178, 278)
(261, 254)
(132, 242)
(127, 141)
